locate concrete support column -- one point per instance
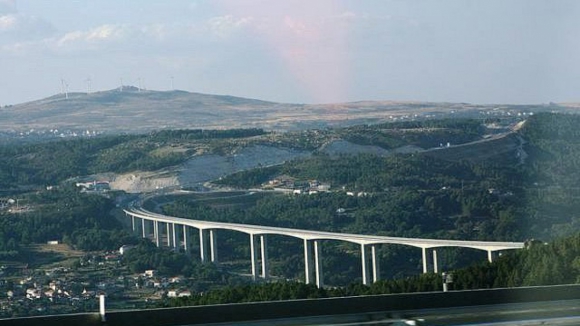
(156, 232)
(435, 263)
(132, 223)
(365, 272)
(185, 239)
(167, 227)
(307, 261)
(213, 246)
(376, 268)
(264, 255)
(490, 256)
(424, 258)
(143, 228)
(202, 246)
(174, 235)
(253, 256)
(318, 264)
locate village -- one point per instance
(76, 284)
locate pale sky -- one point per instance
(296, 51)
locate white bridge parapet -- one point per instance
(309, 237)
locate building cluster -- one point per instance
(14, 206)
(54, 290)
(94, 186)
(24, 291)
(48, 133)
(172, 287)
(297, 187)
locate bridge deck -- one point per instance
(321, 235)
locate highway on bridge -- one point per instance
(312, 252)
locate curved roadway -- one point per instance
(489, 246)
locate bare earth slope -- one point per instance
(207, 167)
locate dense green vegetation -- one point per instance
(52, 162)
(171, 135)
(145, 255)
(551, 173)
(407, 196)
(412, 195)
(418, 195)
(84, 221)
(424, 134)
(408, 213)
(539, 264)
(554, 147)
(487, 199)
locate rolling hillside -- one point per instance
(134, 111)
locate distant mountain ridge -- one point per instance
(133, 110)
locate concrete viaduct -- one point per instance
(312, 259)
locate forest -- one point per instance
(481, 200)
(415, 196)
(66, 215)
(52, 162)
(411, 195)
(537, 264)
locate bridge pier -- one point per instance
(424, 259)
(366, 277)
(132, 223)
(376, 268)
(213, 246)
(490, 256)
(307, 262)
(185, 239)
(364, 261)
(264, 273)
(167, 227)
(143, 228)
(156, 232)
(264, 255)
(253, 257)
(435, 262)
(311, 267)
(426, 263)
(174, 235)
(318, 264)
(202, 246)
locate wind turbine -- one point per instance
(64, 88)
(89, 81)
(139, 85)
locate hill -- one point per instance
(129, 110)
(132, 110)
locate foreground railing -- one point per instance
(351, 309)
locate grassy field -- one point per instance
(47, 255)
(240, 199)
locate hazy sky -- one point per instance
(298, 51)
